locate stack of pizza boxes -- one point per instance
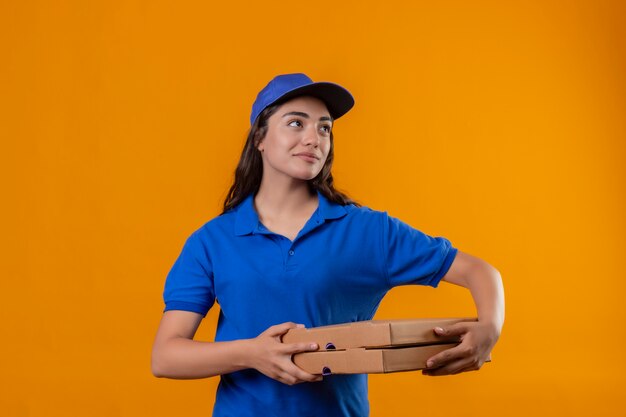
(375, 346)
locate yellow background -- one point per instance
(499, 125)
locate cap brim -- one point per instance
(338, 100)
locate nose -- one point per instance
(311, 136)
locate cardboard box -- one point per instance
(374, 333)
(368, 361)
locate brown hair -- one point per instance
(250, 168)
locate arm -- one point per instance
(176, 355)
(477, 338)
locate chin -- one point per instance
(304, 175)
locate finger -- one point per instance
(452, 368)
(456, 329)
(290, 374)
(293, 348)
(470, 368)
(300, 374)
(281, 329)
(316, 379)
(462, 364)
(442, 358)
(287, 378)
(443, 370)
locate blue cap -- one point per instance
(284, 87)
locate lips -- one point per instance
(308, 156)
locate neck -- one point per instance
(284, 198)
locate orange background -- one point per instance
(500, 126)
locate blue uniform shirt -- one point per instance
(336, 270)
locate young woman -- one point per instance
(289, 249)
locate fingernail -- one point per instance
(299, 325)
(429, 364)
(439, 330)
(313, 346)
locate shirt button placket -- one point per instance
(290, 264)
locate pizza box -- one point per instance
(368, 361)
(374, 333)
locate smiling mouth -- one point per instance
(308, 156)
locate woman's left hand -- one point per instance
(477, 340)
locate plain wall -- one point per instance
(499, 125)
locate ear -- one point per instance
(260, 146)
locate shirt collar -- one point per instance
(247, 219)
(328, 210)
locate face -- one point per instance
(297, 141)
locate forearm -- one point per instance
(182, 358)
(485, 285)
(477, 338)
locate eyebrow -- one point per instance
(306, 116)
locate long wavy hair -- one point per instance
(250, 168)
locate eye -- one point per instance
(326, 128)
(298, 123)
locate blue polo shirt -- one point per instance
(336, 270)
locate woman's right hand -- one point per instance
(272, 358)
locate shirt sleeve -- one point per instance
(189, 284)
(412, 257)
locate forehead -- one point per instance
(313, 106)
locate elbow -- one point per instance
(496, 274)
(157, 372)
(483, 268)
(156, 368)
(158, 364)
